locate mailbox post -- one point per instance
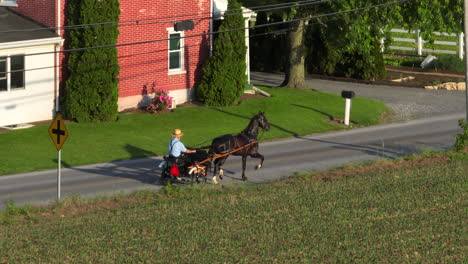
(347, 95)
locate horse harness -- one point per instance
(217, 156)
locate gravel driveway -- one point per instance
(407, 103)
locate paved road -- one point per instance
(283, 158)
(408, 103)
(437, 113)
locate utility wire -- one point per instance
(276, 32)
(140, 54)
(220, 31)
(217, 32)
(142, 21)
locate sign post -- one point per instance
(58, 133)
(465, 27)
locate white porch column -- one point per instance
(247, 43)
(461, 48)
(420, 43)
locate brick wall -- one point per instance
(45, 12)
(41, 11)
(143, 64)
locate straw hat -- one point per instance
(177, 132)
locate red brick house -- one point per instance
(172, 65)
(171, 62)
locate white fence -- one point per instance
(420, 43)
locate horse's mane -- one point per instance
(251, 131)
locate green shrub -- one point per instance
(224, 76)
(364, 66)
(448, 63)
(91, 91)
(328, 53)
(11, 209)
(322, 54)
(409, 61)
(268, 49)
(461, 139)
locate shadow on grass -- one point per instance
(315, 110)
(232, 114)
(137, 152)
(266, 114)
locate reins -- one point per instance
(217, 156)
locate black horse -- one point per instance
(227, 143)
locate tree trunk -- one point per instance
(295, 77)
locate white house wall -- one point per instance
(36, 101)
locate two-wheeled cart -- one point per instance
(193, 167)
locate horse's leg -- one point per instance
(220, 163)
(244, 162)
(215, 169)
(258, 156)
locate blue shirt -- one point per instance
(175, 147)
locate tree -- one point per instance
(224, 75)
(294, 70)
(359, 32)
(348, 44)
(91, 92)
(268, 44)
(433, 15)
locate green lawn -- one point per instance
(411, 211)
(290, 113)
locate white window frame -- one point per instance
(7, 59)
(11, 3)
(181, 69)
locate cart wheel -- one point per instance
(196, 174)
(165, 176)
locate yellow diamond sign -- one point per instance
(58, 131)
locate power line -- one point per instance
(222, 31)
(173, 18)
(282, 31)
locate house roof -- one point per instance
(11, 21)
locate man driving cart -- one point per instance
(176, 148)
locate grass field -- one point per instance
(290, 113)
(407, 211)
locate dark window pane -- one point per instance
(2, 67)
(17, 72)
(3, 84)
(17, 80)
(17, 63)
(3, 80)
(174, 60)
(174, 42)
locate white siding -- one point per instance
(36, 101)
